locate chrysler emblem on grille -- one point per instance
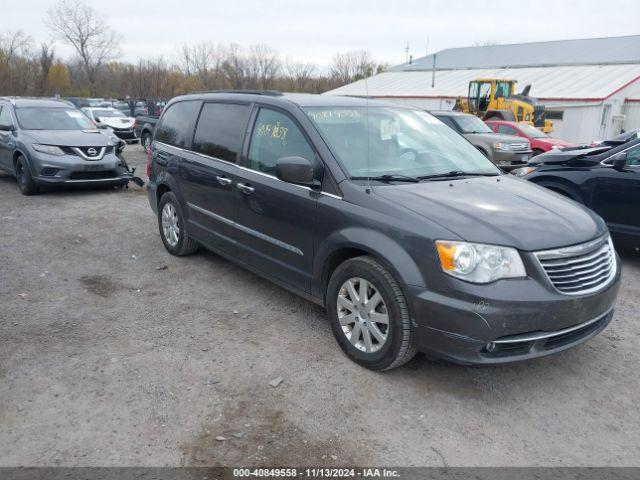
(92, 152)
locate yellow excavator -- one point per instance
(494, 98)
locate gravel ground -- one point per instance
(113, 352)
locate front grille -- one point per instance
(519, 146)
(580, 269)
(525, 343)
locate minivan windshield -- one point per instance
(471, 124)
(387, 141)
(53, 118)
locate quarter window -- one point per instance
(5, 116)
(175, 123)
(633, 156)
(220, 130)
(275, 136)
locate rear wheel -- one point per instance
(369, 314)
(172, 227)
(23, 176)
(145, 140)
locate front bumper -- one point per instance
(510, 160)
(74, 170)
(507, 321)
(128, 135)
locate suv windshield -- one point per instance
(53, 118)
(532, 132)
(106, 113)
(471, 124)
(378, 141)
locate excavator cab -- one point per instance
(495, 98)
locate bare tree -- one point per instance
(234, 67)
(351, 66)
(300, 75)
(263, 66)
(47, 55)
(85, 30)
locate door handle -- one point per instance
(222, 180)
(247, 189)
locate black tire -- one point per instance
(185, 245)
(399, 346)
(145, 139)
(23, 176)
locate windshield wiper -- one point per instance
(457, 173)
(389, 178)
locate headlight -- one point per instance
(479, 263)
(50, 149)
(501, 146)
(521, 172)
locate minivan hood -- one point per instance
(70, 138)
(501, 210)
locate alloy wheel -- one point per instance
(363, 315)
(170, 224)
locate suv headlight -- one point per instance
(50, 149)
(479, 263)
(521, 172)
(501, 146)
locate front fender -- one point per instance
(375, 243)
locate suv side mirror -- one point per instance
(619, 160)
(6, 128)
(296, 170)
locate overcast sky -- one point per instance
(314, 31)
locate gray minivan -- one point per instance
(410, 237)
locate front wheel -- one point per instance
(369, 314)
(172, 227)
(23, 176)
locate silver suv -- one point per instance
(506, 151)
(50, 142)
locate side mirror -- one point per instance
(619, 161)
(6, 128)
(296, 170)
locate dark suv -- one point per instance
(410, 237)
(50, 142)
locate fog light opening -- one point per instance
(490, 347)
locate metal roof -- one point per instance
(563, 83)
(589, 51)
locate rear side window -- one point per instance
(275, 136)
(174, 127)
(220, 130)
(5, 116)
(507, 130)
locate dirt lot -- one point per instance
(113, 352)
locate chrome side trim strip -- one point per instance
(539, 336)
(245, 229)
(208, 157)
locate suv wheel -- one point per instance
(369, 314)
(23, 176)
(145, 141)
(172, 227)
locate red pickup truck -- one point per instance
(540, 141)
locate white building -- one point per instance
(591, 87)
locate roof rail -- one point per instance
(271, 93)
